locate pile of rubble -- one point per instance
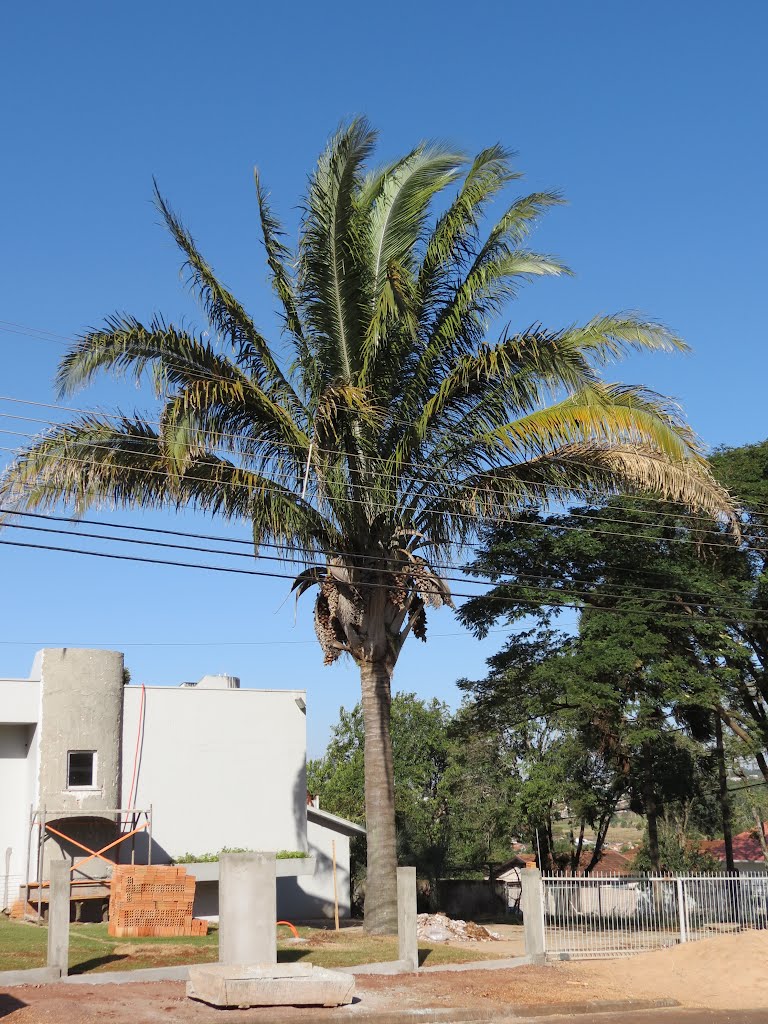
(439, 928)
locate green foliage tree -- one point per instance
(671, 635)
(389, 422)
(452, 789)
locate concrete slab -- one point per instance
(481, 965)
(269, 984)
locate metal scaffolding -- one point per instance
(130, 822)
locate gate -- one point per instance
(604, 916)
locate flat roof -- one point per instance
(347, 828)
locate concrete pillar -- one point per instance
(247, 908)
(58, 916)
(532, 905)
(408, 942)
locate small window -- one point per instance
(81, 769)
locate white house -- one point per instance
(85, 760)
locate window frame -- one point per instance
(94, 763)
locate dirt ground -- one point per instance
(728, 971)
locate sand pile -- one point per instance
(440, 928)
(725, 972)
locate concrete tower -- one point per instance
(80, 750)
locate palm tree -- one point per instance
(401, 423)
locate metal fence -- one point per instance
(617, 915)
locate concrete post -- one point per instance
(247, 908)
(58, 916)
(532, 905)
(408, 942)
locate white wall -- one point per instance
(16, 797)
(219, 767)
(19, 700)
(310, 897)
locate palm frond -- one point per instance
(231, 416)
(279, 257)
(124, 463)
(333, 273)
(125, 344)
(511, 230)
(603, 413)
(225, 313)
(395, 225)
(461, 324)
(456, 230)
(610, 337)
(577, 471)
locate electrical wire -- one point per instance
(54, 338)
(417, 513)
(602, 592)
(284, 445)
(656, 614)
(378, 561)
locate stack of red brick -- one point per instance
(152, 901)
(19, 910)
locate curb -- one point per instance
(125, 977)
(404, 967)
(30, 976)
(481, 965)
(528, 1012)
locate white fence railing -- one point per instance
(616, 915)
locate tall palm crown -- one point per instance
(401, 422)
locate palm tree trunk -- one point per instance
(381, 877)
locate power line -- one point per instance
(415, 513)
(377, 560)
(371, 489)
(601, 592)
(371, 458)
(209, 643)
(656, 614)
(42, 335)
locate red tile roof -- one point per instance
(611, 863)
(746, 846)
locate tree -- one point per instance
(420, 755)
(662, 647)
(399, 422)
(454, 790)
(745, 707)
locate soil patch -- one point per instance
(725, 972)
(729, 972)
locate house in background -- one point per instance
(748, 854)
(86, 759)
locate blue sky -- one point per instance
(649, 117)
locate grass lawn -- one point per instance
(91, 949)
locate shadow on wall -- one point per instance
(300, 798)
(141, 851)
(93, 832)
(294, 904)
